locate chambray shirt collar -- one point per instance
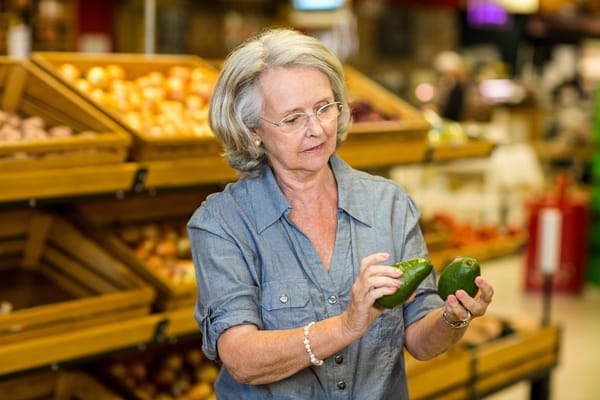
(271, 204)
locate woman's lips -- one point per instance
(314, 149)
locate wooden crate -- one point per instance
(105, 220)
(406, 120)
(160, 372)
(446, 377)
(28, 91)
(57, 385)
(56, 280)
(530, 351)
(494, 354)
(146, 146)
(383, 143)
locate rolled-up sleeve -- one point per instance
(227, 294)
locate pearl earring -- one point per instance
(257, 142)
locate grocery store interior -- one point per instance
(486, 111)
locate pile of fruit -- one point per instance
(164, 248)
(14, 128)
(157, 104)
(459, 234)
(364, 111)
(180, 374)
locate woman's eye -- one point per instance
(292, 119)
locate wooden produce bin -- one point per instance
(28, 91)
(446, 377)
(532, 351)
(134, 99)
(148, 234)
(56, 280)
(493, 354)
(57, 385)
(400, 139)
(176, 371)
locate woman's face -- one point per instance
(290, 90)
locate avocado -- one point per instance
(414, 271)
(459, 274)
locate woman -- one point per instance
(291, 258)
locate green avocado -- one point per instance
(459, 274)
(414, 271)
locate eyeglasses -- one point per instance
(295, 122)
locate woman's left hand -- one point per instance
(461, 306)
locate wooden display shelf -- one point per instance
(549, 151)
(468, 149)
(185, 141)
(94, 341)
(531, 351)
(36, 97)
(445, 377)
(66, 182)
(528, 354)
(361, 150)
(72, 384)
(372, 150)
(188, 172)
(481, 252)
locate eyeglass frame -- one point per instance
(315, 114)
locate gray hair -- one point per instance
(236, 102)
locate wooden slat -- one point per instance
(14, 85)
(38, 229)
(70, 324)
(81, 276)
(181, 322)
(378, 151)
(12, 247)
(65, 283)
(32, 386)
(88, 180)
(502, 377)
(77, 344)
(14, 222)
(80, 308)
(471, 148)
(443, 374)
(83, 248)
(516, 349)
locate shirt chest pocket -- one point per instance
(285, 304)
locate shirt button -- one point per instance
(341, 385)
(284, 298)
(332, 299)
(339, 359)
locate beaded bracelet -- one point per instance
(314, 360)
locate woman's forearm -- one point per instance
(431, 336)
(255, 356)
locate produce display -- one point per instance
(158, 104)
(414, 271)
(459, 274)
(456, 233)
(364, 110)
(163, 247)
(14, 127)
(178, 373)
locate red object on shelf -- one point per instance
(570, 272)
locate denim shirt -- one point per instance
(254, 266)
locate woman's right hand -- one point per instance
(374, 280)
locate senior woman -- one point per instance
(291, 258)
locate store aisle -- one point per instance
(577, 375)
